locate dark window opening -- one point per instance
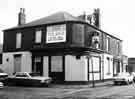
(78, 57)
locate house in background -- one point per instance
(131, 64)
(124, 63)
(62, 46)
(1, 46)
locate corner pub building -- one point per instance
(63, 47)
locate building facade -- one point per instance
(124, 63)
(0, 55)
(131, 65)
(63, 47)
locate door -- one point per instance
(17, 63)
(56, 70)
(38, 65)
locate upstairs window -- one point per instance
(95, 39)
(56, 33)
(38, 36)
(18, 40)
(108, 44)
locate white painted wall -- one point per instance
(26, 64)
(76, 69)
(45, 66)
(8, 62)
(105, 68)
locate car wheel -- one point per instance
(115, 83)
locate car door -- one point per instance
(21, 79)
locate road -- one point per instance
(108, 91)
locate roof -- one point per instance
(54, 18)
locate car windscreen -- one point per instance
(123, 74)
(34, 74)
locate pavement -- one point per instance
(55, 91)
(81, 86)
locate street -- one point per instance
(108, 91)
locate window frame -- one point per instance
(38, 33)
(18, 40)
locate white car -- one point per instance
(3, 76)
(1, 85)
(25, 78)
(123, 78)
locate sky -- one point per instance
(117, 16)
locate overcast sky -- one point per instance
(117, 16)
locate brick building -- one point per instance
(62, 46)
(131, 64)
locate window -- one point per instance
(108, 44)
(18, 40)
(56, 33)
(118, 48)
(0, 58)
(108, 61)
(56, 64)
(38, 36)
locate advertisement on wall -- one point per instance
(56, 33)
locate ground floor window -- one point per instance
(118, 68)
(56, 64)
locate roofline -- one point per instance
(64, 22)
(104, 32)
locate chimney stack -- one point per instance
(82, 17)
(97, 17)
(21, 17)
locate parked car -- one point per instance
(133, 74)
(123, 78)
(1, 85)
(25, 78)
(3, 76)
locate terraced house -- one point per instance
(62, 46)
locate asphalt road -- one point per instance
(108, 91)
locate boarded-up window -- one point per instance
(38, 36)
(95, 62)
(18, 40)
(56, 64)
(94, 68)
(56, 33)
(108, 47)
(78, 34)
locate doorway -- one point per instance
(17, 63)
(37, 66)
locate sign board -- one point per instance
(56, 33)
